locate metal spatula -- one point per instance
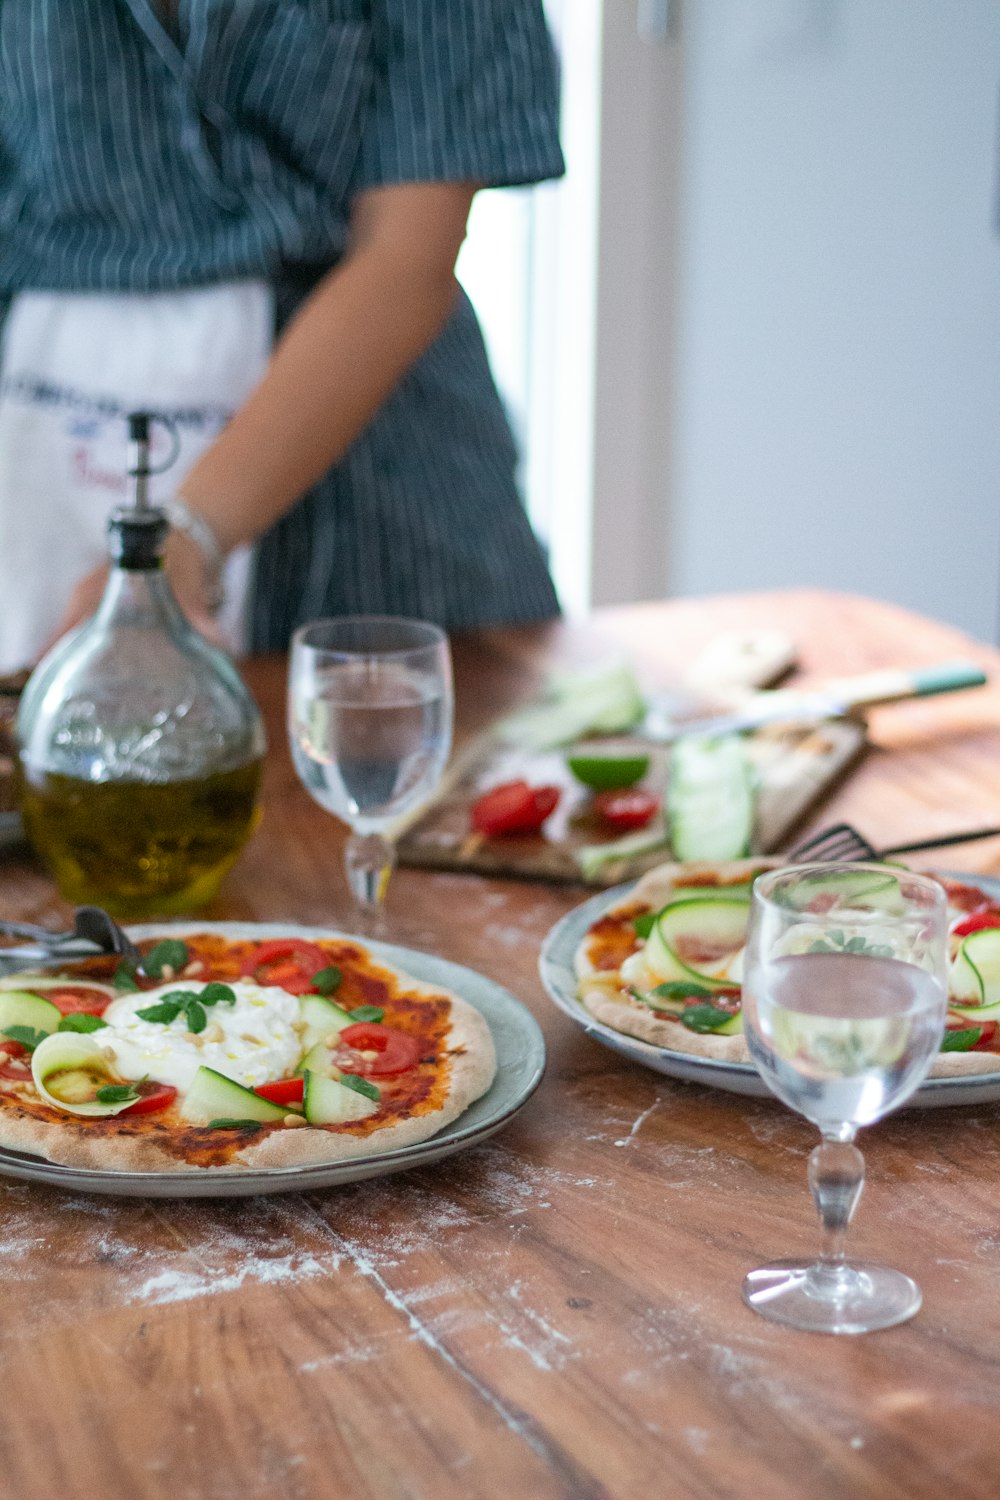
(94, 932)
(843, 844)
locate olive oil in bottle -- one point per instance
(139, 747)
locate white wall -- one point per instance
(838, 365)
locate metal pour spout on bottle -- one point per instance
(140, 747)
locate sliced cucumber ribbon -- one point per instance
(69, 1067)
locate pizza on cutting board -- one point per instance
(219, 1052)
(664, 964)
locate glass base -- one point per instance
(850, 1298)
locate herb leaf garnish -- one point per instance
(705, 1017)
(217, 994)
(961, 1041)
(360, 1086)
(645, 923)
(124, 978)
(117, 1093)
(234, 1125)
(679, 989)
(327, 981)
(165, 1011)
(82, 1022)
(371, 1013)
(839, 942)
(26, 1035)
(192, 1003)
(171, 953)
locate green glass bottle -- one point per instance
(140, 748)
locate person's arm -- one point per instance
(365, 323)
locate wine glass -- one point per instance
(844, 1003)
(370, 710)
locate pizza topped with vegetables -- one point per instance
(665, 964)
(215, 1052)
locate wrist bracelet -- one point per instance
(198, 530)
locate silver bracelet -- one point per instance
(197, 528)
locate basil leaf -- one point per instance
(124, 978)
(360, 1086)
(181, 998)
(704, 1017)
(367, 1013)
(678, 989)
(26, 1035)
(170, 953)
(196, 1018)
(327, 981)
(166, 1011)
(81, 1022)
(117, 1093)
(644, 925)
(217, 994)
(234, 1125)
(961, 1041)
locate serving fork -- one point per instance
(843, 844)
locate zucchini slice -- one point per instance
(323, 1018)
(710, 801)
(329, 1102)
(975, 974)
(213, 1096)
(20, 1008)
(34, 983)
(69, 1067)
(873, 887)
(698, 940)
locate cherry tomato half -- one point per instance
(284, 1091)
(78, 1000)
(977, 923)
(626, 809)
(287, 962)
(987, 1037)
(14, 1060)
(152, 1096)
(396, 1051)
(514, 807)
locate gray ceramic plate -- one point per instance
(559, 977)
(520, 1065)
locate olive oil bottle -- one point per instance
(139, 746)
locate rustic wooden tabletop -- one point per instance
(556, 1312)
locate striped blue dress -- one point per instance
(144, 154)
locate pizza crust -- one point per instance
(471, 1061)
(601, 996)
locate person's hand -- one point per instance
(189, 578)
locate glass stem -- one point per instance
(836, 1177)
(368, 860)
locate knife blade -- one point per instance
(832, 700)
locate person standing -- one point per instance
(245, 215)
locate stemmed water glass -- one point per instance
(844, 1003)
(370, 710)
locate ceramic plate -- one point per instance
(520, 1065)
(559, 978)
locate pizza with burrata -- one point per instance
(216, 1052)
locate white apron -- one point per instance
(72, 366)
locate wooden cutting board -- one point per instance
(795, 766)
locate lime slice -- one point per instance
(607, 773)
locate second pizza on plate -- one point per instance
(664, 963)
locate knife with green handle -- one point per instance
(833, 700)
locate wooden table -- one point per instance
(555, 1313)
